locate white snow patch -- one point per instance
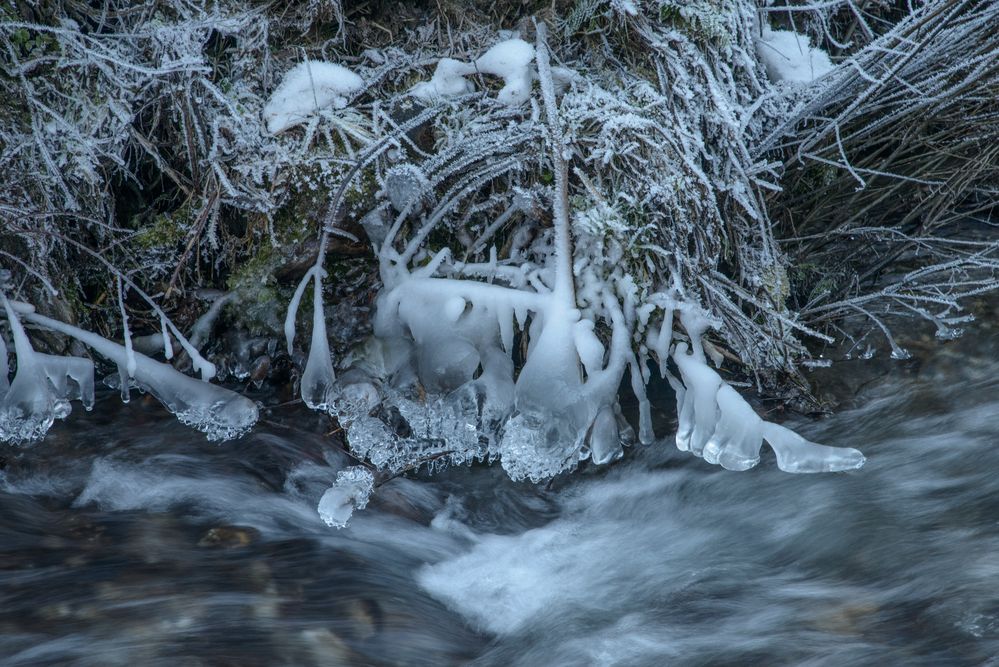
(448, 81)
(511, 60)
(307, 88)
(790, 56)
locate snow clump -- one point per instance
(790, 56)
(306, 89)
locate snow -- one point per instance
(448, 81)
(510, 59)
(306, 89)
(790, 56)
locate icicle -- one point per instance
(71, 378)
(167, 345)
(718, 424)
(605, 438)
(699, 412)
(318, 376)
(660, 344)
(296, 299)
(126, 372)
(796, 454)
(4, 368)
(28, 407)
(201, 330)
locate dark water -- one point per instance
(126, 539)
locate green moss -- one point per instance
(165, 230)
(258, 298)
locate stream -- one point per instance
(128, 539)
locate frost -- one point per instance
(790, 56)
(306, 89)
(350, 492)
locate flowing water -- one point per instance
(127, 539)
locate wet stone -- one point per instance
(229, 537)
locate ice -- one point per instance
(605, 438)
(28, 406)
(735, 443)
(318, 376)
(790, 56)
(306, 89)
(715, 422)
(350, 492)
(448, 81)
(42, 389)
(698, 409)
(404, 185)
(71, 378)
(537, 446)
(219, 413)
(4, 367)
(796, 454)
(511, 60)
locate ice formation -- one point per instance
(790, 56)
(42, 388)
(437, 384)
(350, 492)
(510, 60)
(318, 376)
(44, 385)
(716, 423)
(306, 89)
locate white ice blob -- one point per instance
(717, 424)
(448, 81)
(350, 492)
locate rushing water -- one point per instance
(126, 539)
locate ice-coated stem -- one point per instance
(563, 290)
(218, 412)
